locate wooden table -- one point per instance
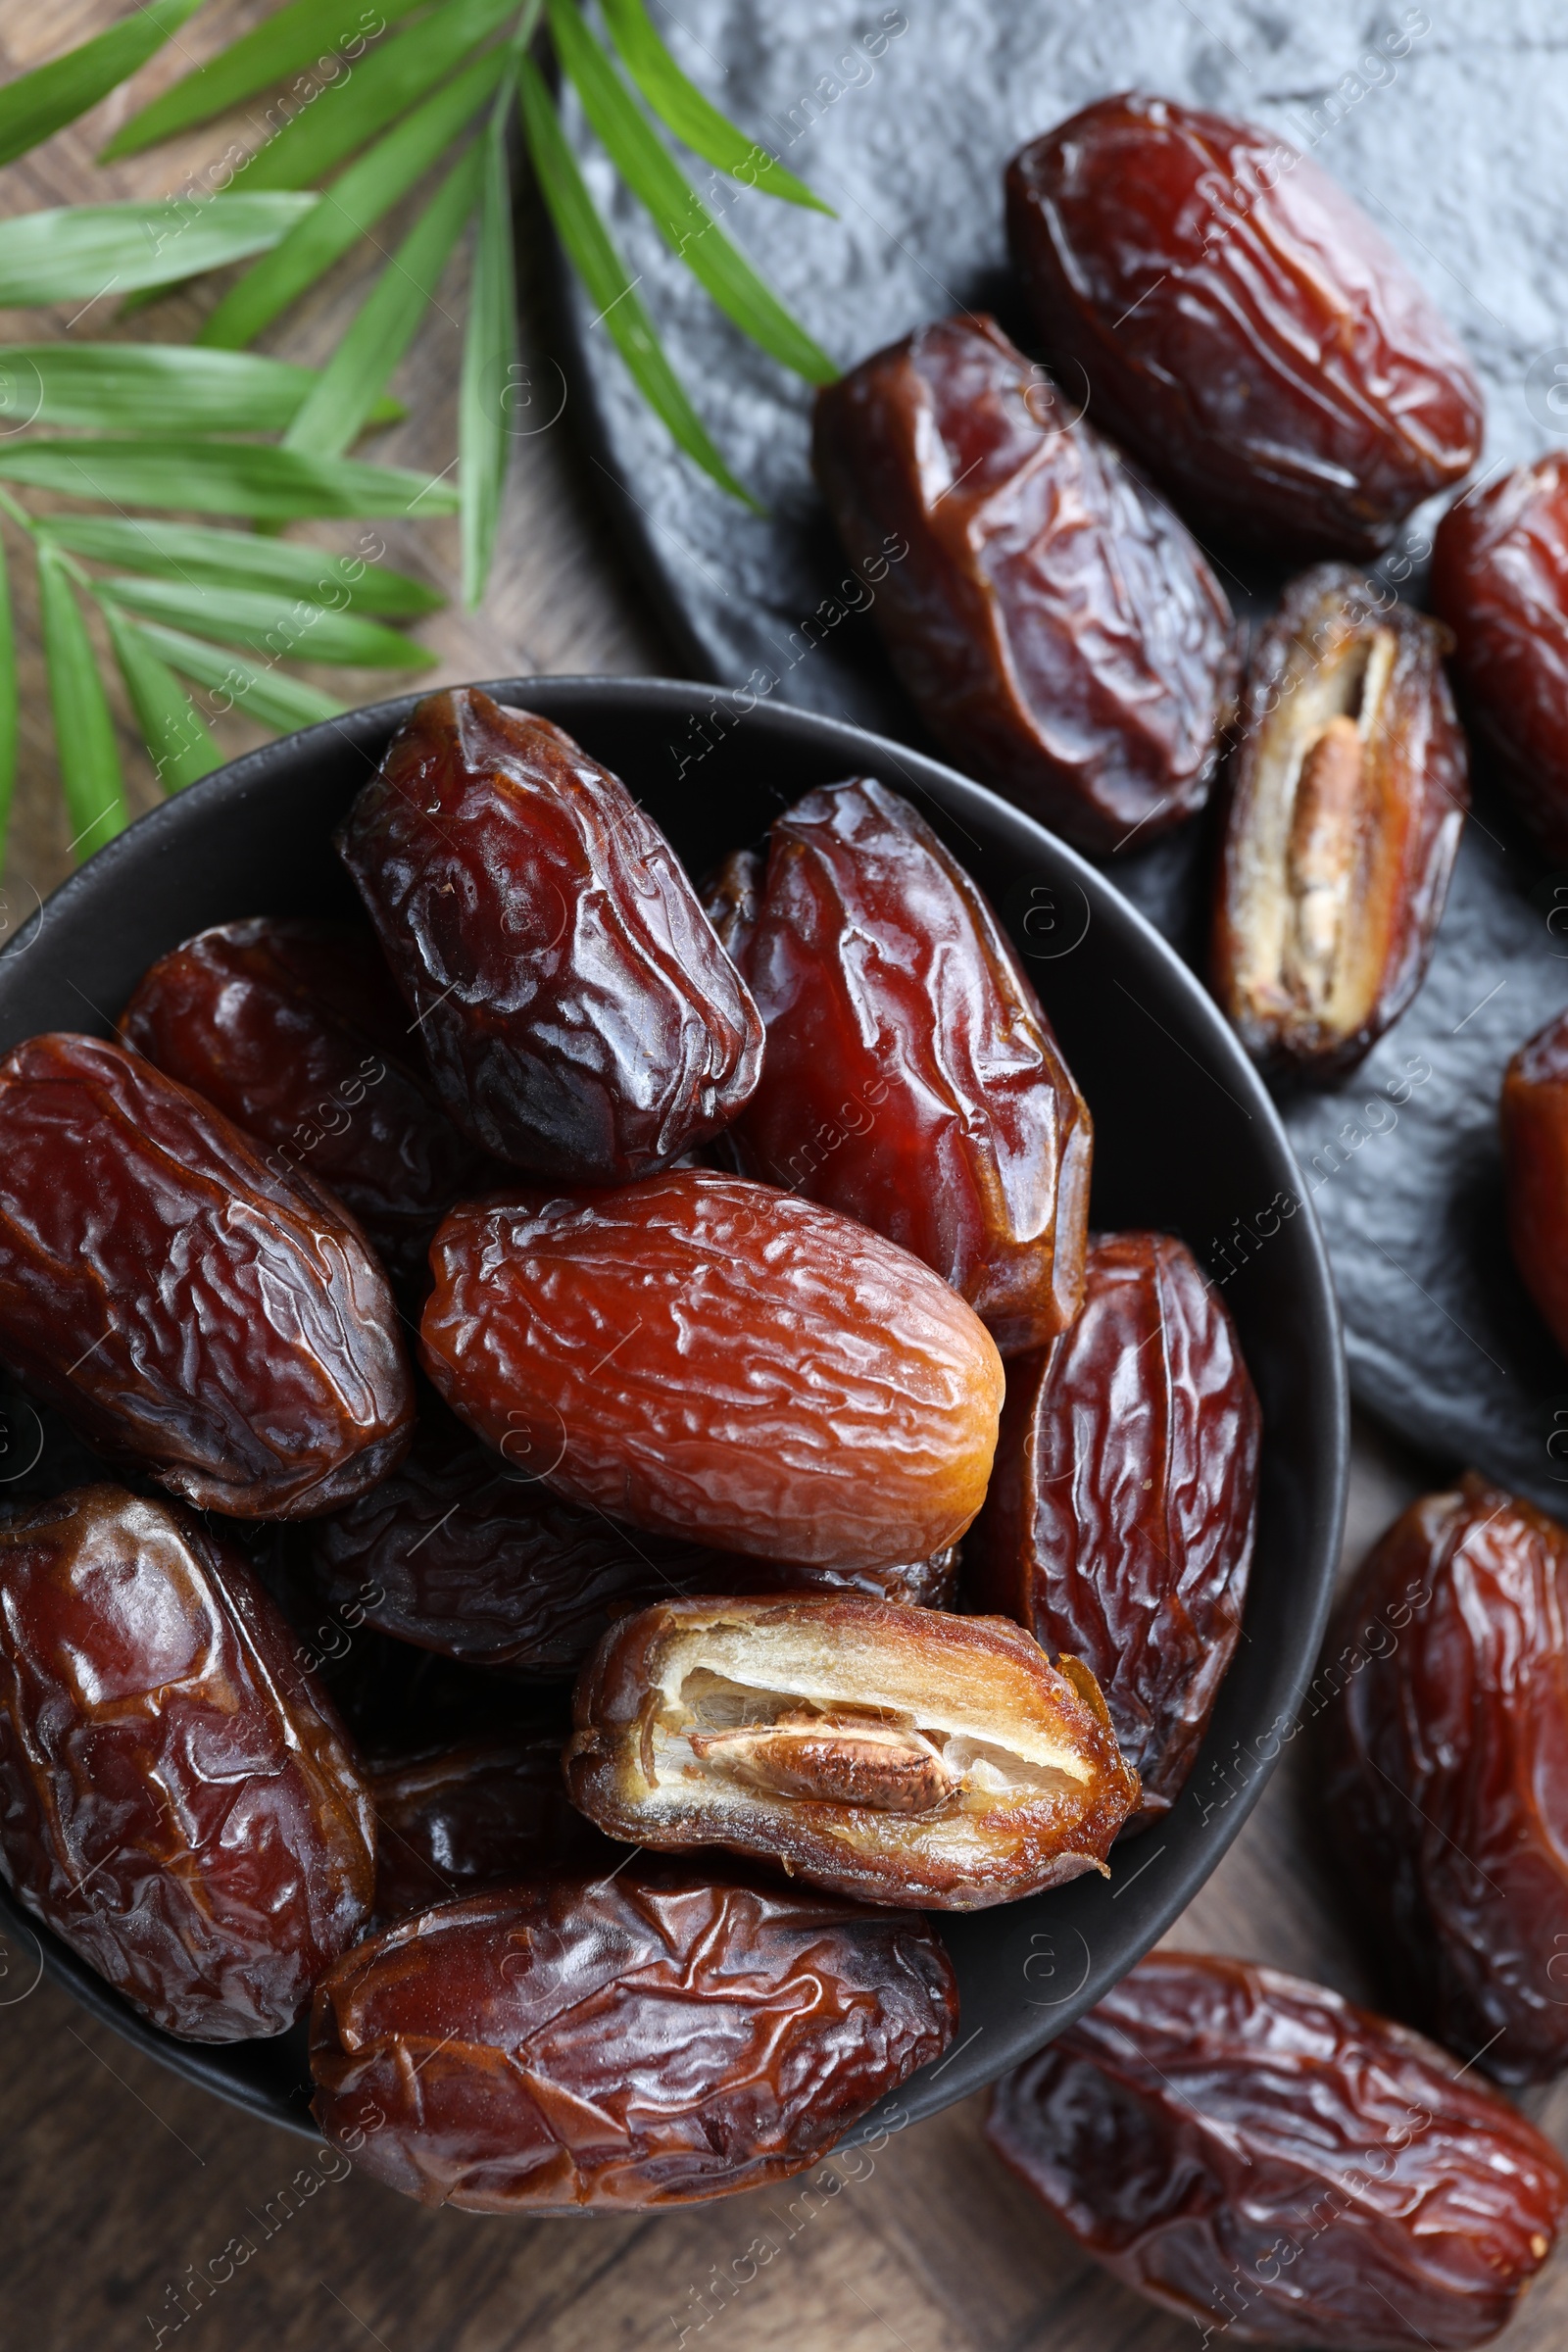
(117, 2183)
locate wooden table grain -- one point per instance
(139, 2212)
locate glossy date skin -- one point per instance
(1499, 579)
(1258, 2156)
(192, 1312)
(177, 1798)
(581, 1018)
(294, 1031)
(488, 1812)
(1121, 1514)
(1447, 1790)
(889, 1753)
(1534, 1161)
(1053, 622)
(715, 1360)
(911, 1078)
(1348, 796)
(1242, 326)
(648, 2039)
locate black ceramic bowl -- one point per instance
(1185, 1140)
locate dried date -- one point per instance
(1053, 622)
(479, 1815)
(177, 1800)
(1348, 794)
(192, 1312)
(1245, 331)
(1258, 2156)
(715, 1360)
(645, 2039)
(885, 1752)
(1535, 1160)
(581, 1018)
(1120, 1518)
(1448, 1792)
(911, 1078)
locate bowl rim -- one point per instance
(864, 752)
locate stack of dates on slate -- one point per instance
(573, 1278)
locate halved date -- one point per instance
(716, 1360)
(177, 1800)
(1348, 793)
(911, 1078)
(1256, 2155)
(192, 1311)
(488, 1812)
(1119, 1522)
(887, 1753)
(639, 2040)
(580, 1017)
(1245, 328)
(1535, 1160)
(1448, 1792)
(1050, 617)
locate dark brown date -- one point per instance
(718, 1361)
(1499, 579)
(911, 1078)
(643, 2039)
(1535, 1160)
(193, 1312)
(887, 1753)
(489, 1812)
(296, 1033)
(1119, 1522)
(580, 1017)
(177, 1800)
(1051, 619)
(1348, 793)
(1449, 1788)
(1245, 328)
(1274, 2164)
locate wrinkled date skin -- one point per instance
(712, 1359)
(1499, 579)
(1348, 794)
(885, 1752)
(580, 1017)
(489, 1812)
(194, 1313)
(642, 2041)
(1256, 2155)
(1535, 1160)
(295, 1032)
(177, 1800)
(1055, 624)
(1242, 326)
(1121, 1514)
(1449, 1786)
(911, 1079)
(463, 1554)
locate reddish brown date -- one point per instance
(1449, 1789)
(1053, 622)
(887, 1753)
(911, 1078)
(1499, 579)
(645, 2039)
(178, 1802)
(1535, 1160)
(491, 1811)
(1348, 794)
(194, 1313)
(715, 1360)
(1276, 2166)
(580, 1017)
(295, 1032)
(1120, 1518)
(1245, 328)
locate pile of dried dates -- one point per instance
(624, 1483)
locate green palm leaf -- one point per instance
(220, 477)
(300, 631)
(267, 694)
(84, 730)
(696, 123)
(152, 388)
(37, 104)
(178, 743)
(10, 703)
(186, 550)
(489, 355)
(77, 253)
